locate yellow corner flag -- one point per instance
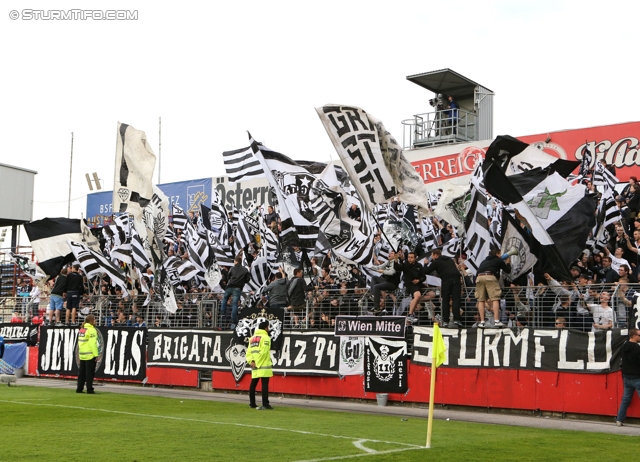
(439, 350)
(438, 355)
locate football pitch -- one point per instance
(55, 424)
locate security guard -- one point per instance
(88, 351)
(259, 358)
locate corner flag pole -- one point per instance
(438, 356)
(432, 395)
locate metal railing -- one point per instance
(439, 127)
(534, 306)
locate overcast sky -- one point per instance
(213, 70)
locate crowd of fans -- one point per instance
(598, 296)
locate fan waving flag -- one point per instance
(135, 162)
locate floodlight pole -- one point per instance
(70, 172)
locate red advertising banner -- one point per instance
(618, 144)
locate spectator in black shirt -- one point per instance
(75, 290)
(354, 212)
(450, 288)
(607, 275)
(413, 276)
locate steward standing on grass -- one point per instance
(259, 358)
(88, 352)
(630, 372)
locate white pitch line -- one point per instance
(353, 456)
(136, 414)
(360, 445)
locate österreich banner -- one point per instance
(302, 353)
(561, 350)
(122, 352)
(371, 326)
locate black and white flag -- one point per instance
(165, 289)
(198, 248)
(49, 238)
(243, 233)
(585, 164)
(180, 218)
(351, 239)
(564, 210)
(27, 266)
(372, 157)
(608, 211)
(478, 236)
(135, 162)
(603, 177)
(241, 165)
(94, 264)
(154, 226)
(291, 184)
(138, 253)
(515, 240)
(385, 366)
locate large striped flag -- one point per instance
(49, 238)
(372, 158)
(135, 163)
(241, 165)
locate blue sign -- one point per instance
(188, 195)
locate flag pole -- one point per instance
(70, 175)
(432, 394)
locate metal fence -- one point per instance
(534, 306)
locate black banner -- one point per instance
(19, 332)
(561, 350)
(302, 353)
(385, 366)
(371, 326)
(122, 352)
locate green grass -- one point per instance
(55, 424)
